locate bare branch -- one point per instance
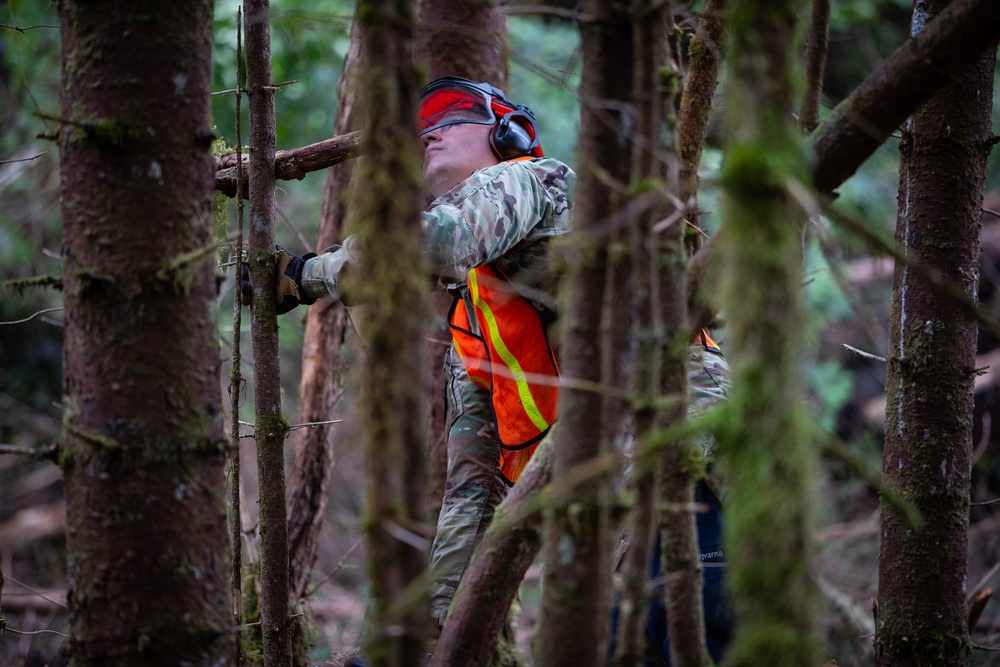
(295, 163)
(47, 453)
(235, 90)
(34, 315)
(924, 64)
(27, 28)
(24, 159)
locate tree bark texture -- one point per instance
(951, 42)
(677, 465)
(143, 443)
(394, 286)
(320, 386)
(765, 447)
(294, 163)
(817, 46)
(270, 428)
(496, 570)
(463, 39)
(922, 615)
(576, 565)
(705, 57)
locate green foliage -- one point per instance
(545, 75)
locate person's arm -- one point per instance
(475, 223)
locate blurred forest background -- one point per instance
(848, 293)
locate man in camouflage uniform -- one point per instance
(496, 201)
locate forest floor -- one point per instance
(32, 558)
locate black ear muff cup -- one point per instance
(511, 139)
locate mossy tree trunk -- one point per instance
(765, 445)
(676, 463)
(705, 56)
(143, 442)
(922, 615)
(387, 221)
(576, 541)
(270, 428)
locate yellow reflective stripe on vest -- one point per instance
(517, 373)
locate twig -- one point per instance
(234, 90)
(26, 28)
(39, 453)
(995, 214)
(7, 577)
(308, 424)
(982, 581)
(980, 647)
(24, 159)
(866, 355)
(30, 317)
(977, 607)
(7, 628)
(297, 426)
(337, 567)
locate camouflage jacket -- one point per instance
(504, 213)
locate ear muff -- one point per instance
(515, 135)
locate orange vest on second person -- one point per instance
(512, 359)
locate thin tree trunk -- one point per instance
(575, 591)
(270, 428)
(817, 45)
(497, 568)
(705, 56)
(765, 445)
(922, 616)
(390, 235)
(142, 448)
(677, 467)
(320, 386)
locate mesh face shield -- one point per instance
(449, 102)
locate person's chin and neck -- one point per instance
(453, 152)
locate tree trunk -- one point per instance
(320, 386)
(143, 442)
(270, 428)
(677, 466)
(705, 57)
(817, 45)
(922, 616)
(463, 39)
(391, 239)
(574, 606)
(495, 572)
(768, 459)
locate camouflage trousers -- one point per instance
(473, 486)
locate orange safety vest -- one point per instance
(512, 359)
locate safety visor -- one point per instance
(450, 104)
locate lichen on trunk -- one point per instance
(931, 371)
(142, 444)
